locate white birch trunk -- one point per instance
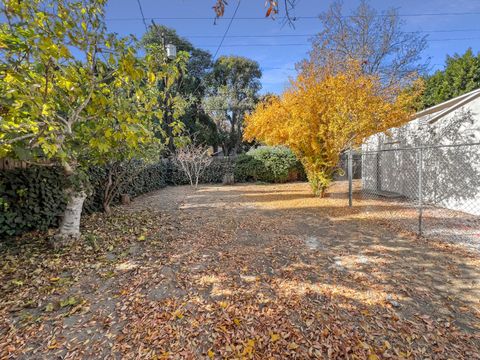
(70, 225)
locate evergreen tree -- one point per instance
(460, 76)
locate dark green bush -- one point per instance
(30, 199)
(33, 198)
(247, 168)
(152, 178)
(275, 164)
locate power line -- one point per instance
(143, 15)
(457, 39)
(276, 68)
(294, 18)
(226, 31)
(221, 42)
(312, 34)
(308, 44)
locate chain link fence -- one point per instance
(433, 191)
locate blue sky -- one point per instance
(447, 33)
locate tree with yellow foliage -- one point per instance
(325, 112)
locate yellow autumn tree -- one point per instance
(326, 111)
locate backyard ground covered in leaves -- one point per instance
(244, 271)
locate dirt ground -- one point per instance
(438, 223)
(242, 271)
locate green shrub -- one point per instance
(275, 164)
(30, 199)
(247, 169)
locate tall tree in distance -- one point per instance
(232, 91)
(375, 40)
(190, 86)
(460, 75)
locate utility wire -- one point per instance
(313, 34)
(143, 15)
(221, 42)
(226, 31)
(308, 44)
(296, 17)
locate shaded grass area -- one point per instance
(239, 271)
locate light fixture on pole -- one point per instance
(171, 51)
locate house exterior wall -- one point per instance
(451, 175)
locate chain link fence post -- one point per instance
(350, 177)
(420, 191)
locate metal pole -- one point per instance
(420, 190)
(350, 178)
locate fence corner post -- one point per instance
(350, 177)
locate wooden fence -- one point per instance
(10, 164)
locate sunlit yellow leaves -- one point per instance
(53, 344)
(223, 304)
(151, 77)
(292, 346)
(324, 113)
(274, 337)
(249, 348)
(100, 107)
(178, 315)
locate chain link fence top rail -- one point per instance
(433, 191)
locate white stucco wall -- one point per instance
(451, 175)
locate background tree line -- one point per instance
(460, 75)
(216, 93)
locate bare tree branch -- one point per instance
(193, 160)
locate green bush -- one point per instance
(247, 168)
(275, 164)
(30, 199)
(33, 198)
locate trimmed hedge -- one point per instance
(32, 198)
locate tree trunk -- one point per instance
(69, 229)
(106, 208)
(323, 192)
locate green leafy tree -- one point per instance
(72, 94)
(232, 91)
(460, 75)
(189, 86)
